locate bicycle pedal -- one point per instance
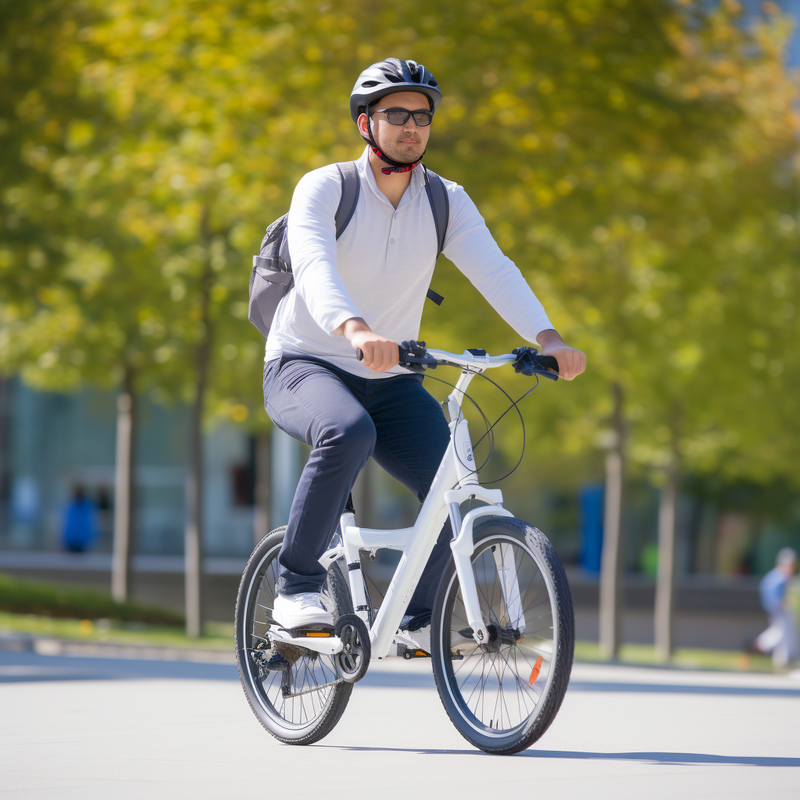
(411, 652)
(311, 632)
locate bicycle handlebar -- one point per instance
(416, 357)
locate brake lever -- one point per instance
(530, 362)
(414, 356)
(545, 373)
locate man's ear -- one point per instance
(362, 125)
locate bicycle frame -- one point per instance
(454, 483)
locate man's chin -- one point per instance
(407, 155)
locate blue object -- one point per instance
(80, 527)
(591, 516)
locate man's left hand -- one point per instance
(571, 362)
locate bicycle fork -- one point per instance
(463, 546)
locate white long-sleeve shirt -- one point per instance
(381, 267)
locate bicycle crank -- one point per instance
(353, 659)
(293, 643)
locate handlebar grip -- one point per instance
(548, 362)
(546, 366)
(402, 350)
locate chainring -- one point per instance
(353, 661)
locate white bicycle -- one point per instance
(502, 635)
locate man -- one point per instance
(366, 291)
(780, 637)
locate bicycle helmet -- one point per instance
(389, 77)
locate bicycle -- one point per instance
(502, 636)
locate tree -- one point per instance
(606, 144)
(56, 327)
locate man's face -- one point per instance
(404, 143)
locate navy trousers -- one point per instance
(346, 420)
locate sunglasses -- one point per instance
(399, 116)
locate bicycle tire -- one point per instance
(308, 717)
(537, 669)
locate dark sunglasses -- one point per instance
(399, 116)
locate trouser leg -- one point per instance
(412, 436)
(311, 403)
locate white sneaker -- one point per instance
(422, 637)
(300, 610)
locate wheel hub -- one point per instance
(499, 636)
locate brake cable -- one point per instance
(490, 428)
(521, 420)
(488, 433)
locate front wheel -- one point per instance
(503, 694)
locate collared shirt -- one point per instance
(381, 267)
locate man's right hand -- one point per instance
(380, 353)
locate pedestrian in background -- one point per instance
(80, 523)
(780, 638)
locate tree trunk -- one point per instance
(124, 498)
(194, 520)
(613, 535)
(261, 517)
(193, 535)
(665, 581)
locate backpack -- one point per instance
(271, 277)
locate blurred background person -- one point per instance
(780, 638)
(80, 523)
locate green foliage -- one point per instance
(45, 599)
(637, 160)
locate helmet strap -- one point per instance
(394, 166)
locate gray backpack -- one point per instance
(271, 277)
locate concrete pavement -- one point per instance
(74, 727)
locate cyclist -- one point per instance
(366, 291)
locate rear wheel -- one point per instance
(503, 694)
(299, 698)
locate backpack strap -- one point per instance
(440, 205)
(351, 186)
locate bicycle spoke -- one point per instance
(476, 652)
(515, 672)
(472, 671)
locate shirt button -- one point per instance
(391, 241)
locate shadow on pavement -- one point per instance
(28, 667)
(31, 667)
(680, 688)
(677, 759)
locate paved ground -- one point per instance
(75, 727)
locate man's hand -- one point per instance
(571, 362)
(380, 354)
